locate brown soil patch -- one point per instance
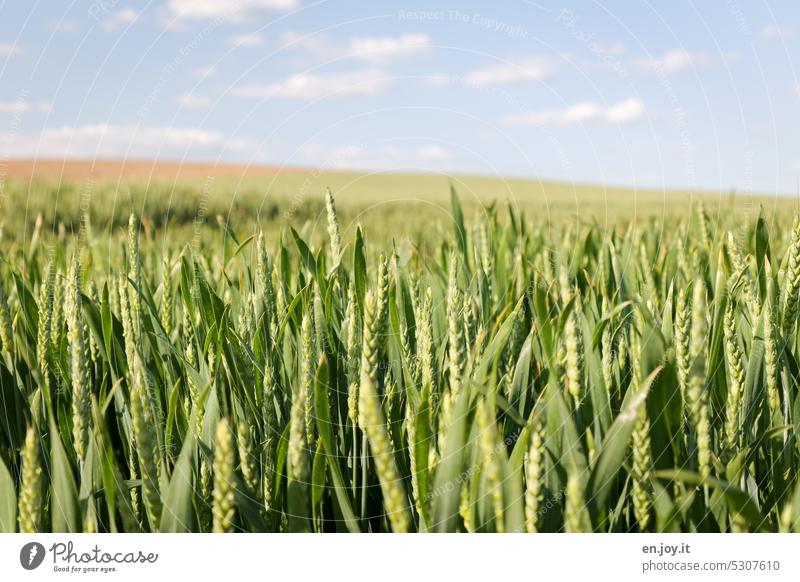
(130, 169)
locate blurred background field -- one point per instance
(172, 197)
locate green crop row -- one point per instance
(513, 375)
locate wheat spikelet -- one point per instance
(696, 395)
(372, 422)
(113, 293)
(490, 462)
(381, 308)
(607, 352)
(622, 351)
(699, 329)
(271, 429)
(191, 359)
(266, 300)
(6, 330)
(791, 282)
(515, 342)
(485, 246)
(167, 297)
(576, 516)
(31, 502)
(424, 331)
(410, 424)
(127, 321)
(641, 492)
(702, 425)
(466, 509)
(470, 321)
(133, 459)
(771, 349)
(94, 350)
(457, 348)
(223, 507)
(247, 459)
(572, 353)
(353, 346)
(43, 331)
(564, 288)
(739, 266)
(79, 364)
(308, 367)
(682, 341)
(642, 463)
(485, 259)
(134, 257)
(134, 273)
(534, 476)
(409, 354)
(333, 226)
(299, 468)
(635, 343)
(57, 320)
(736, 376)
(280, 300)
(702, 220)
(146, 443)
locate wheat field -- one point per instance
(502, 371)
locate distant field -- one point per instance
(171, 195)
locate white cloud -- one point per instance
(622, 113)
(120, 18)
(189, 101)
(234, 10)
(118, 140)
(22, 106)
(429, 157)
(7, 49)
(377, 50)
(381, 50)
(771, 32)
(674, 61)
(533, 68)
(434, 153)
(309, 86)
(730, 56)
(65, 25)
(246, 40)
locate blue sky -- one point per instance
(700, 94)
